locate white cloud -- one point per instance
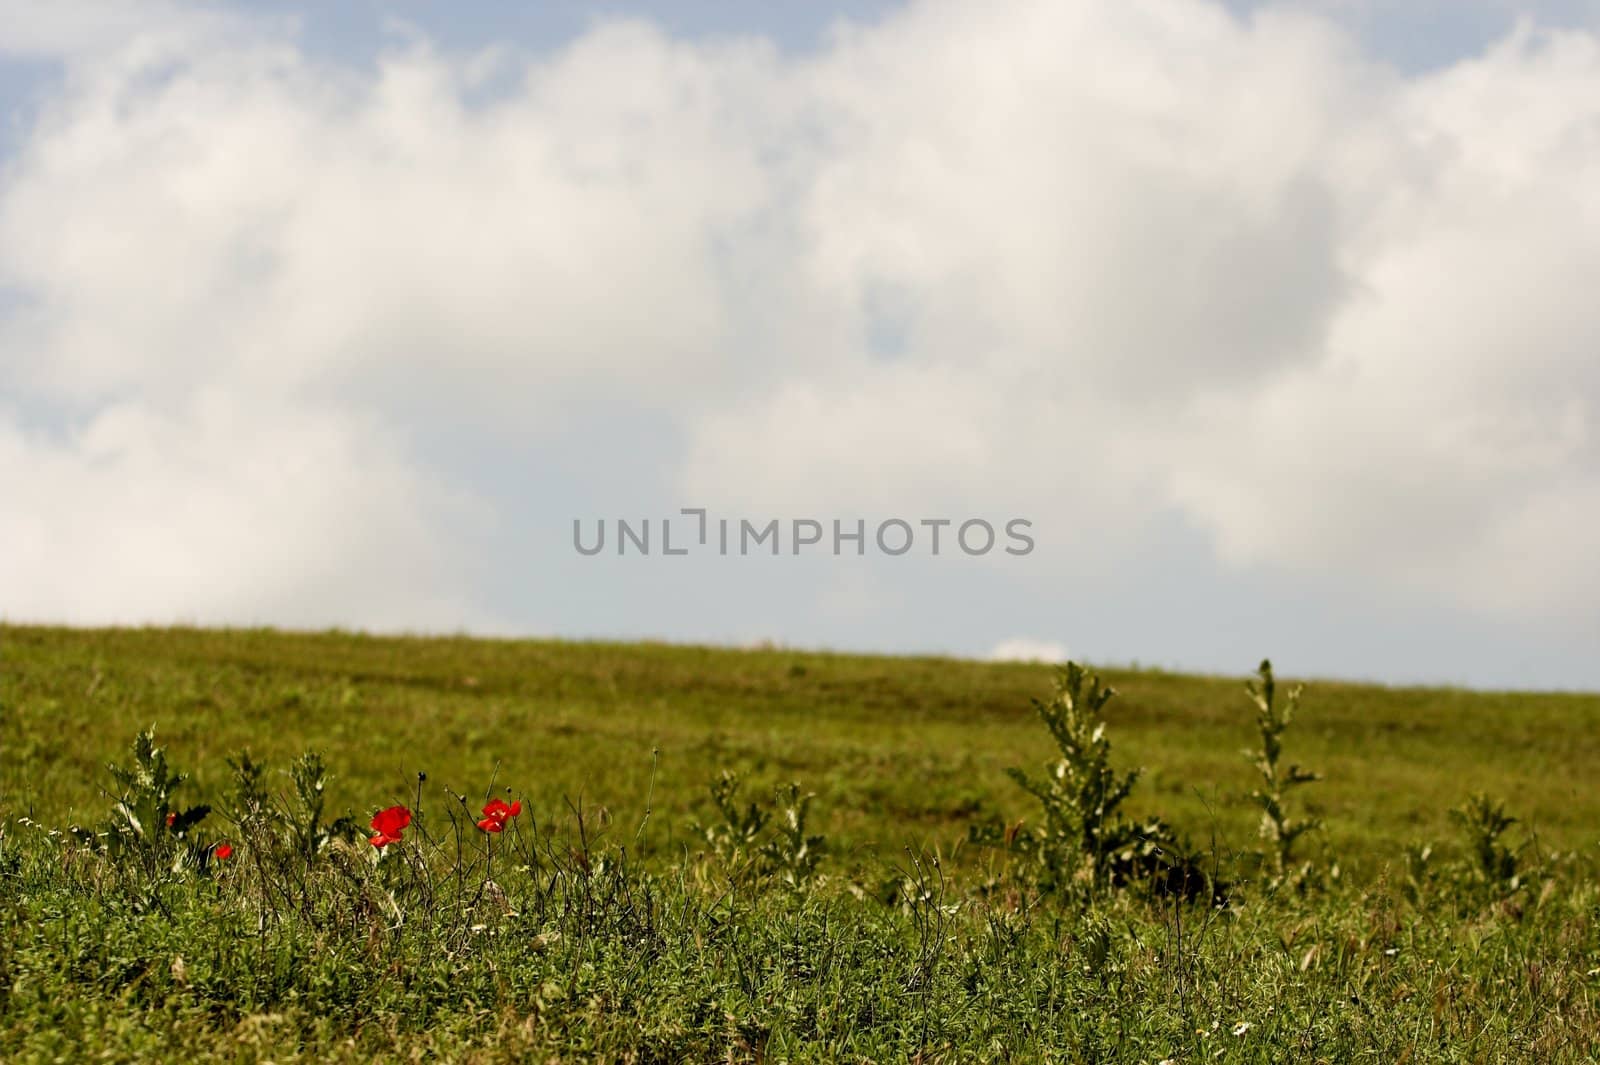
(1335, 316)
(229, 512)
(1093, 262)
(1443, 435)
(253, 216)
(1023, 649)
(76, 29)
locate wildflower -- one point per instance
(388, 824)
(1242, 1027)
(172, 819)
(497, 813)
(223, 851)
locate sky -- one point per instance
(1274, 322)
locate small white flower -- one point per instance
(1392, 951)
(1242, 1027)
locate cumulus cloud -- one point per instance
(1023, 649)
(1443, 435)
(1096, 262)
(229, 512)
(1331, 314)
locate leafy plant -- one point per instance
(792, 851)
(145, 823)
(1278, 827)
(1483, 822)
(763, 841)
(1421, 875)
(1085, 839)
(736, 834)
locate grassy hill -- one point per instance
(910, 940)
(896, 749)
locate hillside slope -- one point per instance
(896, 749)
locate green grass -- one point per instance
(673, 957)
(895, 748)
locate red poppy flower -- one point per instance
(497, 813)
(172, 819)
(223, 851)
(388, 824)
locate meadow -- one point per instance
(773, 855)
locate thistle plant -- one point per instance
(1085, 837)
(763, 841)
(1274, 711)
(1483, 821)
(1082, 792)
(793, 852)
(298, 818)
(146, 824)
(739, 830)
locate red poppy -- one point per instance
(172, 819)
(497, 813)
(223, 851)
(388, 824)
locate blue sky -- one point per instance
(1418, 35)
(1272, 319)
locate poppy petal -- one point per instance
(391, 822)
